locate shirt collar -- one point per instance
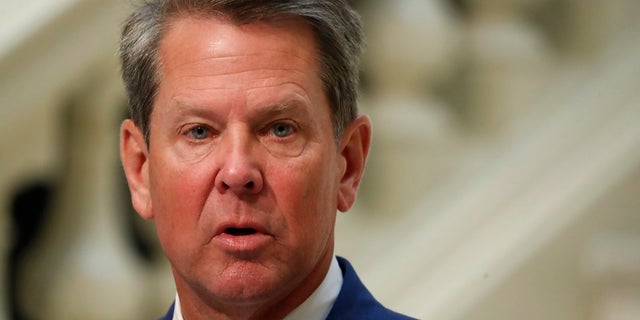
(318, 304)
(177, 311)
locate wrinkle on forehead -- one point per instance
(227, 40)
(213, 47)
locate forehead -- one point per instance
(193, 39)
(199, 56)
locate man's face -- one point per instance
(242, 175)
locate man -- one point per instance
(244, 142)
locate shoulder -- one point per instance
(356, 302)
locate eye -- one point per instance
(284, 138)
(281, 130)
(199, 132)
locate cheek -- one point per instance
(179, 179)
(307, 196)
(176, 190)
(178, 196)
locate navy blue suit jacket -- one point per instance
(354, 300)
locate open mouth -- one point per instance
(240, 231)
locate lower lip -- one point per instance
(243, 244)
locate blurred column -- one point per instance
(83, 268)
(413, 47)
(592, 24)
(612, 262)
(510, 60)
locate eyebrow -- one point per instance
(288, 106)
(292, 105)
(186, 108)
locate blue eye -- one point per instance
(199, 132)
(281, 129)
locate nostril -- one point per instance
(249, 185)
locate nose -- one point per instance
(240, 170)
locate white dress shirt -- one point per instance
(316, 307)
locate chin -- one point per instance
(248, 283)
(249, 294)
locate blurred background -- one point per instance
(504, 180)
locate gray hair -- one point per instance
(336, 25)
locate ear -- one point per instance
(354, 148)
(135, 161)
